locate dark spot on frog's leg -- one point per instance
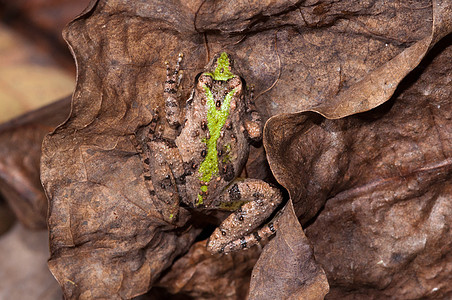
(165, 183)
(170, 91)
(241, 218)
(146, 177)
(170, 81)
(218, 104)
(203, 153)
(171, 104)
(146, 160)
(223, 233)
(258, 195)
(257, 236)
(194, 165)
(152, 192)
(229, 173)
(243, 242)
(234, 193)
(272, 229)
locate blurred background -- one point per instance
(36, 69)
(36, 66)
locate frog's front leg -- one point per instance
(239, 230)
(172, 107)
(253, 120)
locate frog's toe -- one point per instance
(216, 241)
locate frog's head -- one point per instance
(222, 67)
(220, 82)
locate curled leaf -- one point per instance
(373, 189)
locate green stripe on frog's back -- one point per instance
(216, 118)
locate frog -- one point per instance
(197, 157)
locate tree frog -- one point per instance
(201, 164)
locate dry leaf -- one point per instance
(373, 190)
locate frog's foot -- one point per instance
(236, 231)
(172, 82)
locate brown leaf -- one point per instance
(287, 268)
(383, 179)
(20, 152)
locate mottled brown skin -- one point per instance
(174, 163)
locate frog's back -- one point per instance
(211, 162)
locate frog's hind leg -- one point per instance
(167, 176)
(240, 229)
(172, 107)
(254, 238)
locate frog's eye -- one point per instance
(235, 82)
(204, 79)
